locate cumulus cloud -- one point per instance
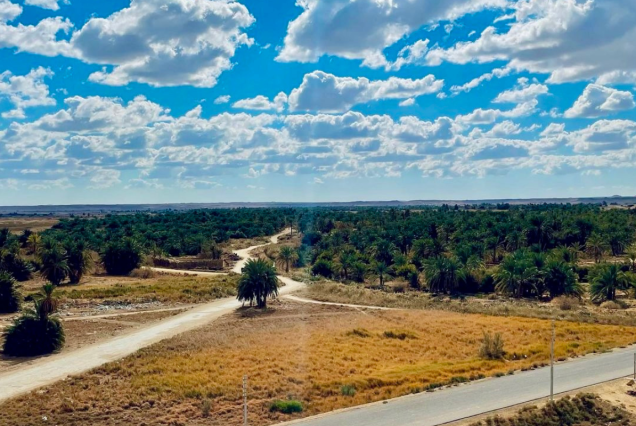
(362, 29)
(524, 93)
(46, 4)
(325, 92)
(222, 99)
(597, 101)
(551, 36)
(407, 102)
(102, 140)
(158, 42)
(25, 91)
(9, 11)
(262, 103)
(413, 54)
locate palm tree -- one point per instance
(444, 275)
(560, 279)
(286, 256)
(10, 297)
(596, 246)
(606, 280)
(517, 275)
(347, 260)
(33, 242)
(381, 269)
(79, 261)
(45, 303)
(54, 264)
(258, 282)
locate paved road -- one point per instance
(44, 371)
(444, 406)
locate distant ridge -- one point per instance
(120, 208)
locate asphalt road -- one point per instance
(448, 405)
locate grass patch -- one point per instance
(286, 407)
(357, 294)
(186, 289)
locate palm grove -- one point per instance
(525, 251)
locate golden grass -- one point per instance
(36, 224)
(184, 289)
(502, 306)
(304, 352)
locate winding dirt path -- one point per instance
(46, 370)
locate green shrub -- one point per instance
(323, 268)
(286, 407)
(492, 347)
(31, 336)
(10, 297)
(121, 257)
(348, 390)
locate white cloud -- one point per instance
(9, 11)
(104, 178)
(570, 40)
(597, 101)
(325, 92)
(25, 91)
(407, 102)
(262, 103)
(158, 42)
(222, 99)
(362, 29)
(522, 94)
(409, 55)
(46, 4)
(165, 43)
(604, 135)
(476, 82)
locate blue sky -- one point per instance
(315, 100)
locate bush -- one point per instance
(121, 257)
(584, 409)
(359, 332)
(32, 336)
(348, 390)
(143, 273)
(612, 305)
(492, 347)
(401, 335)
(566, 303)
(323, 268)
(286, 407)
(10, 297)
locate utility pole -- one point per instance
(552, 363)
(245, 400)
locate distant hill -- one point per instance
(121, 208)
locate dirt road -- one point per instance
(44, 371)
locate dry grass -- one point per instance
(499, 306)
(304, 352)
(182, 289)
(18, 224)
